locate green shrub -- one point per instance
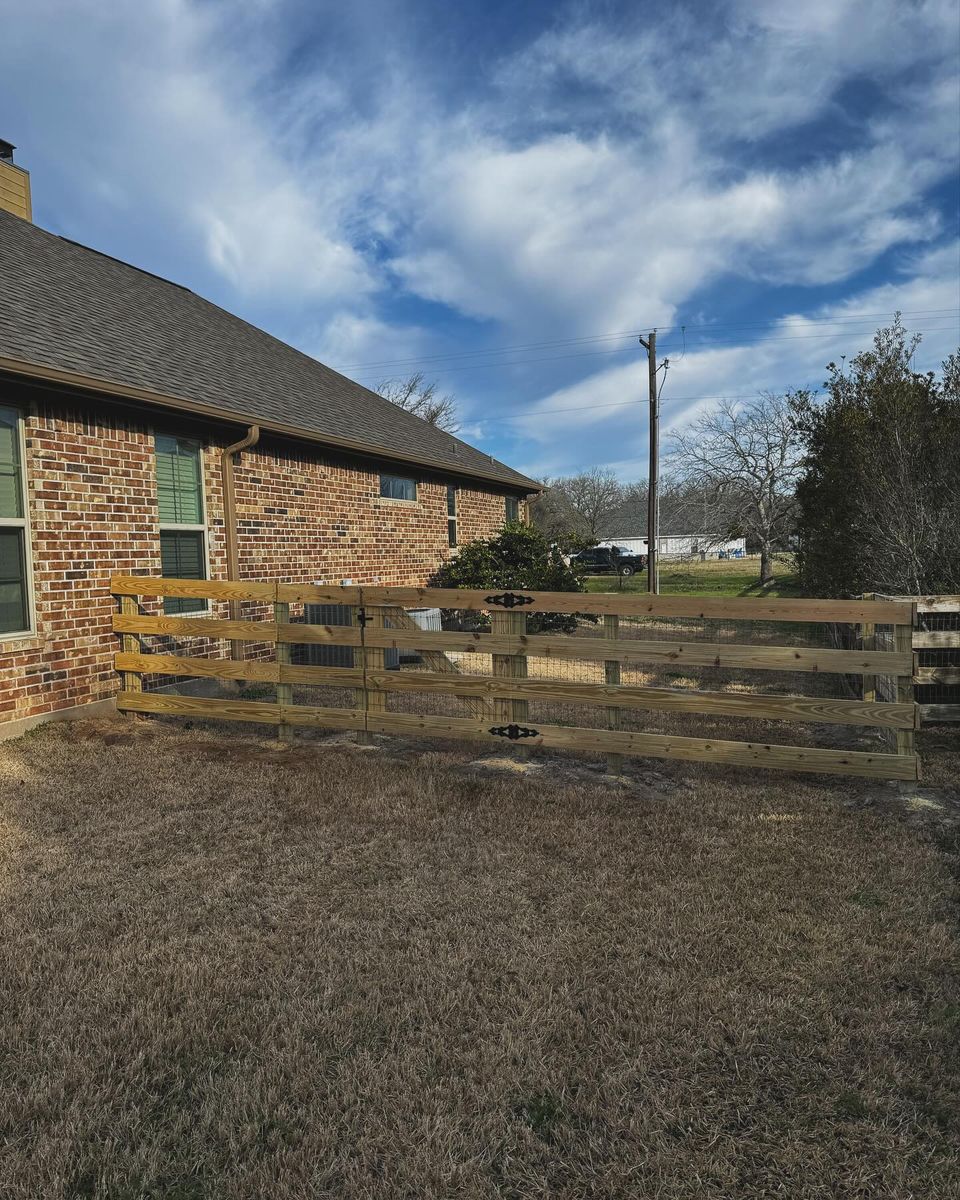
(519, 558)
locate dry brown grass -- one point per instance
(232, 970)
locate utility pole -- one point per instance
(653, 490)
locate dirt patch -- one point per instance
(935, 808)
(558, 770)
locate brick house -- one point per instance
(143, 430)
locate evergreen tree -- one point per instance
(879, 496)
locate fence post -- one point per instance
(375, 701)
(510, 666)
(281, 614)
(361, 660)
(611, 668)
(132, 680)
(906, 742)
(868, 640)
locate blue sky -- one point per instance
(505, 194)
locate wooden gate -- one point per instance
(503, 697)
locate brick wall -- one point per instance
(302, 516)
(309, 519)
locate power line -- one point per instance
(520, 362)
(589, 408)
(846, 319)
(802, 337)
(593, 337)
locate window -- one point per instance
(513, 508)
(451, 516)
(183, 531)
(14, 557)
(395, 487)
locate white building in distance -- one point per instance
(683, 545)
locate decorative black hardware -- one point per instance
(514, 732)
(509, 600)
(362, 618)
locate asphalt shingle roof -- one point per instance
(72, 309)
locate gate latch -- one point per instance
(362, 618)
(514, 732)
(509, 600)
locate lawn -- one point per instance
(238, 970)
(715, 577)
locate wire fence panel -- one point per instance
(937, 646)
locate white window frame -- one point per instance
(22, 523)
(178, 527)
(506, 509)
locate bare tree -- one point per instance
(685, 507)
(746, 458)
(556, 519)
(593, 496)
(416, 396)
(629, 517)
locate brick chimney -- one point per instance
(14, 184)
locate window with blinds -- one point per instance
(513, 508)
(183, 530)
(15, 616)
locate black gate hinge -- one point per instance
(509, 600)
(514, 732)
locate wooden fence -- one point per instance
(936, 640)
(507, 693)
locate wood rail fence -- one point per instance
(936, 641)
(508, 692)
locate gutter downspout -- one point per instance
(230, 521)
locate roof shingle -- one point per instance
(72, 309)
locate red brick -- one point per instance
(303, 516)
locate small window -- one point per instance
(396, 487)
(513, 508)
(14, 559)
(183, 530)
(451, 516)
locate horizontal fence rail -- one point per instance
(694, 654)
(615, 603)
(506, 695)
(784, 708)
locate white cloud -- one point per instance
(606, 412)
(292, 194)
(352, 338)
(595, 180)
(741, 70)
(584, 235)
(617, 220)
(158, 98)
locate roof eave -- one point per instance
(90, 383)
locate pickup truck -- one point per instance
(609, 560)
